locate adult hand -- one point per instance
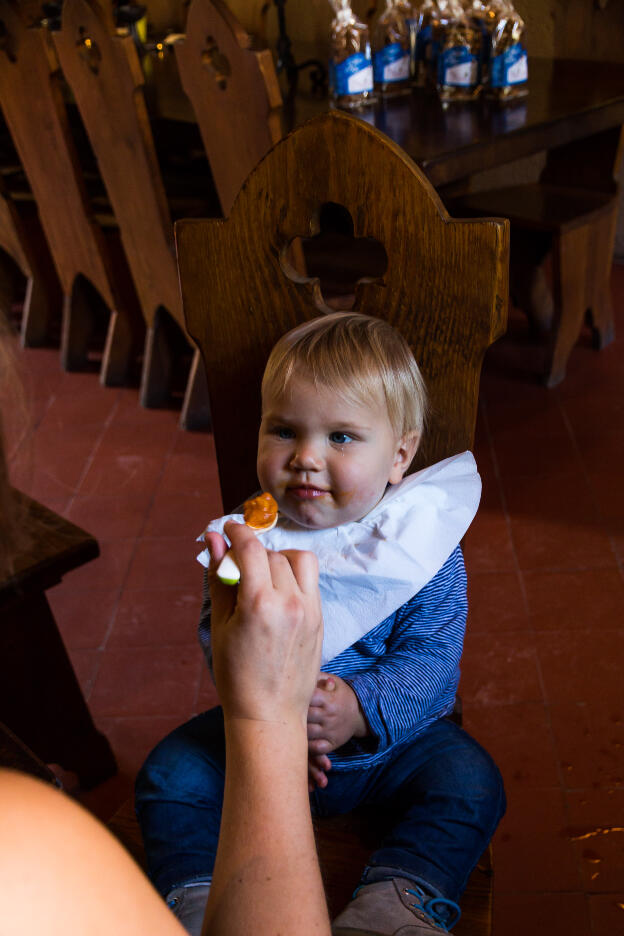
(267, 632)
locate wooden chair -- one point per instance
(445, 288)
(234, 92)
(570, 214)
(104, 73)
(35, 112)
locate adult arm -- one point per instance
(266, 643)
(63, 872)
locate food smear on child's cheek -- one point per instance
(345, 497)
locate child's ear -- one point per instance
(404, 453)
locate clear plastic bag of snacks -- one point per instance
(426, 45)
(392, 45)
(350, 63)
(505, 69)
(459, 56)
(508, 66)
(482, 15)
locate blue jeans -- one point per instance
(442, 794)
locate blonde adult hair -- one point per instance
(358, 356)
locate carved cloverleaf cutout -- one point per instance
(334, 257)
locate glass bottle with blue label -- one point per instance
(350, 63)
(392, 70)
(509, 69)
(459, 56)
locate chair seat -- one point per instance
(536, 206)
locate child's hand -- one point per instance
(334, 716)
(318, 765)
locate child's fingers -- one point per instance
(318, 698)
(316, 730)
(316, 777)
(321, 761)
(319, 746)
(316, 716)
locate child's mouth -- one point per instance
(303, 492)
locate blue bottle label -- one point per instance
(510, 67)
(352, 76)
(458, 68)
(392, 63)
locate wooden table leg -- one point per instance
(40, 698)
(570, 259)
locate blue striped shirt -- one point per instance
(405, 671)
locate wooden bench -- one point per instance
(105, 75)
(85, 249)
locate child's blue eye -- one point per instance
(340, 438)
(283, 432)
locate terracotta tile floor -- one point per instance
(542, 673)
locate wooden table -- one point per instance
(568, 101)
(40, 697)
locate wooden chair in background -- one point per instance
(234, 92)
(104, 73)
(87, 256)
(445, 288)
(569, 215)
(27, 271)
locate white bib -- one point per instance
(370, 567)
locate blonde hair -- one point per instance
(357, 356)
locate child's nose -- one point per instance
(306, 457)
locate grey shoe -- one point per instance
(396, 907)
(188, 904)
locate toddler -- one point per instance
(343, 406)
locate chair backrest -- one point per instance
(12, 239)
(445, 287)
(32, 102)
(234, 93)
(105, 76)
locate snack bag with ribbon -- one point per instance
(460, 54)
(391, 41)
(350, 63)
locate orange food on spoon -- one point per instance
(260, 515)
(260, 512)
